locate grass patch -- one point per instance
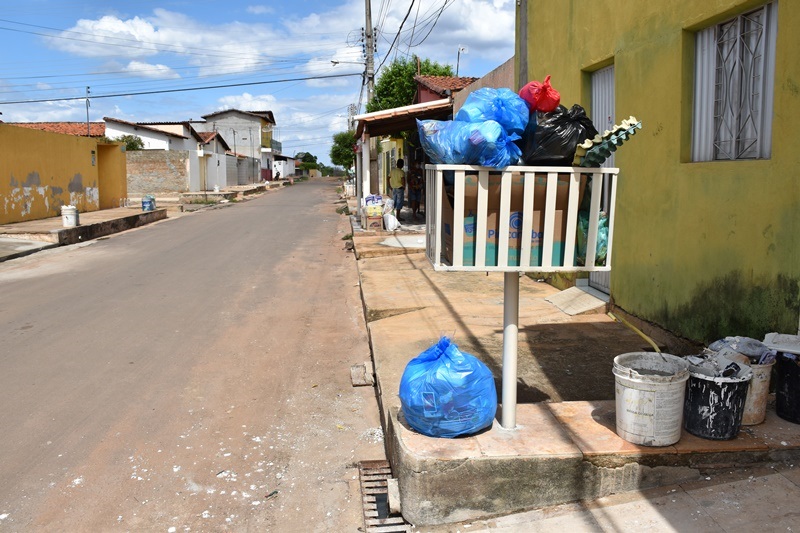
(343, 210)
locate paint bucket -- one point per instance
(148, 203)
(787, 387)
(755, 404)
(714, 405)
(650, 390)
(69, 216)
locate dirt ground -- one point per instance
(261, 430)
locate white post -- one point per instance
(510, 331)
(365, 187)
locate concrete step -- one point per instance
(560, 452)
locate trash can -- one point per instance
(649, 389)
(69, 216)
(715, 404)
(787, 387)
(755, 406)
(148, 203)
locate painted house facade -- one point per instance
(248, 133)
(706, 238)
(40, 171)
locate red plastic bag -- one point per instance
(540, 95)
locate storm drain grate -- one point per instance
(374, 476)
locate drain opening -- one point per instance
(374, 476)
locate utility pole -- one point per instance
(369, 48)
(88, 131)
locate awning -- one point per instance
(400, 119)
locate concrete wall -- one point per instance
(158, 171)
(41, 171)
(500, 78)
(702, 249)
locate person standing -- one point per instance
(397, 181)
(415, 189)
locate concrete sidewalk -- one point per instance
(23, 238)
(565, 448)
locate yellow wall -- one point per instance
(112, 173)
(703, 249)
(41, 171)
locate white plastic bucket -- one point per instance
(69, 216)
(755, 406)
(650, 390)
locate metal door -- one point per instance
(603, 117)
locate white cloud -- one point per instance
(155, 72)
(259, 10)
(248, 102)
(108, 36)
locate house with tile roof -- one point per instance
(168, 164)
(96, 129)
(249, 133)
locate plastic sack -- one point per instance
(373, 199)
(553, 137)
(583, 235)
(447, 393)
(468, 143)
(388, 207)
(390, 222)
(503, 106)
(540, 96)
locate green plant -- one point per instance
(348, 237)
(343, 210)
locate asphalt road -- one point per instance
(193, 374)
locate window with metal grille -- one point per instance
(734, 82)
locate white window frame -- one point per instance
(734, 86)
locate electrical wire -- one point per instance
(397, 35)
(187, 89)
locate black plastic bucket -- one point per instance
(787, 387)
(714, 406)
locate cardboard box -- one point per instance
(372, 223)
(515, 220)
(373, 210)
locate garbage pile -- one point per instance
(499, 128)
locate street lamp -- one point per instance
(335, 62)
(461, 48)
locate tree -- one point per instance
(309, 161)
(396, 87)
(131, 142)
(342, 152)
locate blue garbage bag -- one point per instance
(445, 392)
(504, 106)
(454, 142)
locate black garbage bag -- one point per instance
(551, 138)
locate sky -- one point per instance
(189, 58)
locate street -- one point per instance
(189, 375)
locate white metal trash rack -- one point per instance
(476, 218)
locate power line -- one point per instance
(396, 35)
(116, 95)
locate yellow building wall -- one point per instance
(112, 173)
(41, 171)
(702, 249)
